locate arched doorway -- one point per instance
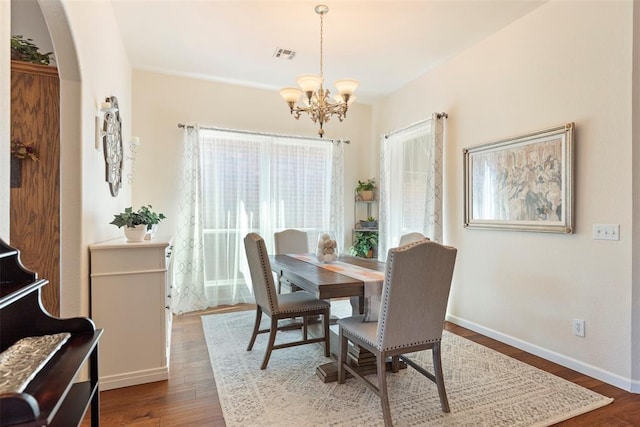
(70, 163)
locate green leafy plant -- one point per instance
(25, 50)
(364, 244)
(131, 218)
(150, 217)
(368, 185)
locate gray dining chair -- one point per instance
(412, 311)
(290, 241)
(411, 237)
(277, 307)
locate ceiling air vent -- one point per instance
(284, 53)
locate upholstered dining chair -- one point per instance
(410, 238)
(277, 307)
(290, 241)
(412, 310)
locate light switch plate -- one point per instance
(606, 231)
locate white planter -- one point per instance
(135, 234)
(151, 233)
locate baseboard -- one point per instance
(568, 362)
(133, 378)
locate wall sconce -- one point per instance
(101, 126)
(108, 107)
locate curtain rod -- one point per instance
(438, 116)
(187, 126)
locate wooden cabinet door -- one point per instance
(35, 204)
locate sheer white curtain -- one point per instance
(336, 201)
(259, 183)
(411, 183)
(187, 293)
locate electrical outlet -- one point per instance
(578, 327)
(606, 231)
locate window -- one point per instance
(262, 184)
(411, 183)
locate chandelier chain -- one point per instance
(321, 44)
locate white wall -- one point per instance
(5, 128)
(635, 303)
(105, 71)
(32, 28)
(560, 63)
(162, 101)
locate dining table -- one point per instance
(322, 282)
(326, 283)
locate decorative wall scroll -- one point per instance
(112, 144)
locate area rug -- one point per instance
(484, 387)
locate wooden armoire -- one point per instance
(35, 203)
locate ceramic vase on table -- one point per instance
(136, 233)
(327, 249)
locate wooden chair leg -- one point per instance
(342, 357)
(272, 340)
(256, 328)
(382, 388)
(437, 371)
(327, 336)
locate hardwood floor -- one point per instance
(189, 397)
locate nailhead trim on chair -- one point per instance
(272, 303)
(409, 345)
(318, 307)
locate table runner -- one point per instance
(372, 279)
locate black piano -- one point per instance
(58, 394)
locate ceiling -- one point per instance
(382, 44)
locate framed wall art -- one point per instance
(523, 183)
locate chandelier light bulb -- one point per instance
(346, 86)
(291, 94)
(309, 82)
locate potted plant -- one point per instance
(370, 222)
(136, 223)
(152, 219)
(365, 189)
(365, 244)
(25, 50)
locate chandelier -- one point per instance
(316, 99)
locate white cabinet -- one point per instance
(130, 287)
